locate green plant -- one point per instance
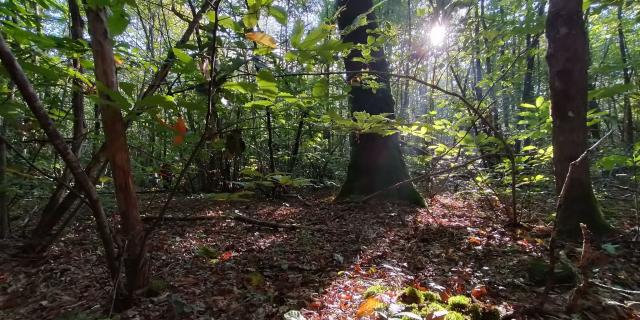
(459, 303)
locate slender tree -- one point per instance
(132, 229)
(49, 219)
(4, 212)
(376, 161)
(627, 119)
(567, 60)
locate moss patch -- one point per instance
(374, 291)
(459, 303)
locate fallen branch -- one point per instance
(232, 216)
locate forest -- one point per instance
(319, 159)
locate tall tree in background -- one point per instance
(4, 212)
(567, 59)
(132, 229)
(376, 161)
(627, 119)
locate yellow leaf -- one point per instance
(368, 307)
(262, 38)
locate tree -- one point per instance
(567, 60)
(376, 161)
(135, 255)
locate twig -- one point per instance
(602, 285)
(553, 259)
(421, 177)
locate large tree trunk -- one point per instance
(376, 161)
(567, 59)
(135, 255)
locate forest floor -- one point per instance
(226, 269)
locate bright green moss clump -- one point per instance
(459, 303)
(431, 296)
(375, 290)
(433, 307)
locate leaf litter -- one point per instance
(356, 266)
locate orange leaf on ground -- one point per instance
(368, 307)
(475, 241)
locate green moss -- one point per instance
(459, 303)
(411, 295)
(431, 296)
(374, 291)
(454, 316)
(433, 307)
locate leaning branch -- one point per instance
(30, 96)
(422, 177)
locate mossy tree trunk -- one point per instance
(567, 59)
(376, 161)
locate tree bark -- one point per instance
(135, 256)
(376, 161)
(97, 162)
(5, 229)
(628, 113)
(567, 60)
(82, 180)
(48, 218)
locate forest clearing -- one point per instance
(319, 159)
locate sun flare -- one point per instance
(437, 34)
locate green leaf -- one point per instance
(157, 100)
(315, 36)
(609, 92)
(613, 161)
(250, 20)
(241, 87)
(117, 22)
(278, 13)
(182, 56)
(320, 88)
(267, 82)
(296, 35)
(226, 22)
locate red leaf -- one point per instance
(226, 256)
